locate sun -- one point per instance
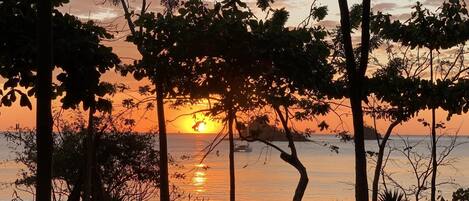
(200, 126)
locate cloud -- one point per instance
(98, 10)
(401, 17)
(102, 14)
(329, 24)
(425, 3)
(384, 6)
(433, 2)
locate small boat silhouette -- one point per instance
(242, 148)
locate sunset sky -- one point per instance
(109, 15)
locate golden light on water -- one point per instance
(199, 179)
(199, 174)
(200, 190)
(200, 165)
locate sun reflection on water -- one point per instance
(201, 165)
(199, 179)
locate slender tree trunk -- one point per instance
(292, 158)
(379, 160)
(231, 155)
(164, 180)
(303, 182)
(361, 182)
(44, 120)
(360, 155)
(356, 77)
(90, 155)
(434, 162)
(417, 194)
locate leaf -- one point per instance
(31, 91)
(12, 96)
(323, 126)
(5, 101)
(320, 13)
(264, 4)
(104, 105)
(24, 101)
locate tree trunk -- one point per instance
(434, 162)
(99, 192)
(76, 190)
(360, 155)
(164, 180)
(355, 77)
(231, 155)
(303, 182)
(379, 160)
(292, 158)
(90, 156)
(361, 182)
(44, 120)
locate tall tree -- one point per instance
(246, 64)
(257, 69)
(78, 53)
(157, 75)
(294, 70)
(218, 71)
(434, 31)
(228, 61)
(401, 97)
(43, 101)
(355, 73)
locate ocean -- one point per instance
(262, 175)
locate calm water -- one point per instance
(262, 175)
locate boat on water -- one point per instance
(242, 148)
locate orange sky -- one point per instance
(105, 13)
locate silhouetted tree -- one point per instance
(220, 51)
(281, 62)
(213, 58)
(127, 161)
(78, 53)
(420, 164)
(355, 69)
(44, 121)
(295, 69)
(156, 71)
(247, 64)
(434, 31)
(402, 97)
